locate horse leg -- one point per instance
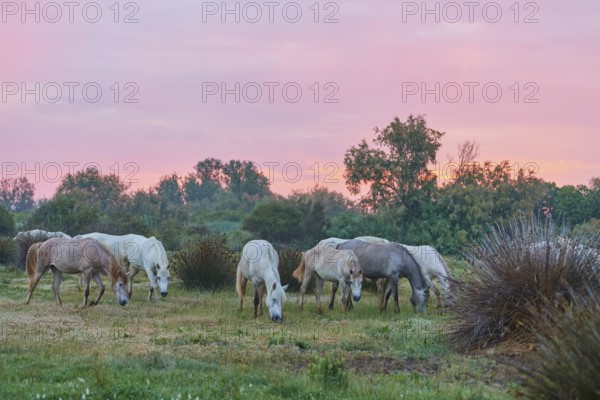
(33, 282)
(303, 288)
(261, 295)
(130, 276)
(384, 300)
(380, 291)
(334, 288)
(318, 292)
(152, 285)
(243, 286)
(98, 280)
(86, 289)
(256, 300)
(56, 285)
(394, 283)
(345, 296)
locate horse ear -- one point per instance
(285, 288)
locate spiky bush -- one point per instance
(520, 270)
(205, 264)
(566, 364)
(289, 258)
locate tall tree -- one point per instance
(17, 194)
(96, 190)
(395, 166)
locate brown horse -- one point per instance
(74, 256)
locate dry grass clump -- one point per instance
(566, 364)
(205, 264)
(521, 271)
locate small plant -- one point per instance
(206, 264)
(328, 370)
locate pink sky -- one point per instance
(370, 57)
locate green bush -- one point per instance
(289, 258)
(329, 371)
(205, 264)
(22, 244)
(566, 364)
(8, 251)
(519, 271)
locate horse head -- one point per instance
(275, 298)
(163, 278)
(420, 286)
(119, 284)
(356, 277)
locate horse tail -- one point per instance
(299, 272)
(240, 288)
(32, 258)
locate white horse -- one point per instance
(433, 266)
(340, 266)
(259, 263)
(372, 239)
(141, 253)
(40, 233)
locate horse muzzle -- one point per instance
(163, 294)
(356, 298)
(276, 318)
(123, 302)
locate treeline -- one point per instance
(400, 199)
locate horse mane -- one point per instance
(424, 278)
(114, 267)
(299, 272)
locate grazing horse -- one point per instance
(333, 265)
(393, 261)
(433, 266)
(141, 253)
(43, 235)
(74, 256)
(259, 263)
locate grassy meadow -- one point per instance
(197, 345)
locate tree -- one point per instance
(68, 213)
(96, 190)
(333, 202)
(276, 221)
(168, 188)
(243, 177)
(7, 224)
(17, 194)
(395, 168)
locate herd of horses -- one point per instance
(345, 262)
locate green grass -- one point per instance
(198, 345)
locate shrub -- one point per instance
(289, 258)
(567, 362)
(206, 263)
(8, 251)
(329, 371)
(519, 271)
(22, 244)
